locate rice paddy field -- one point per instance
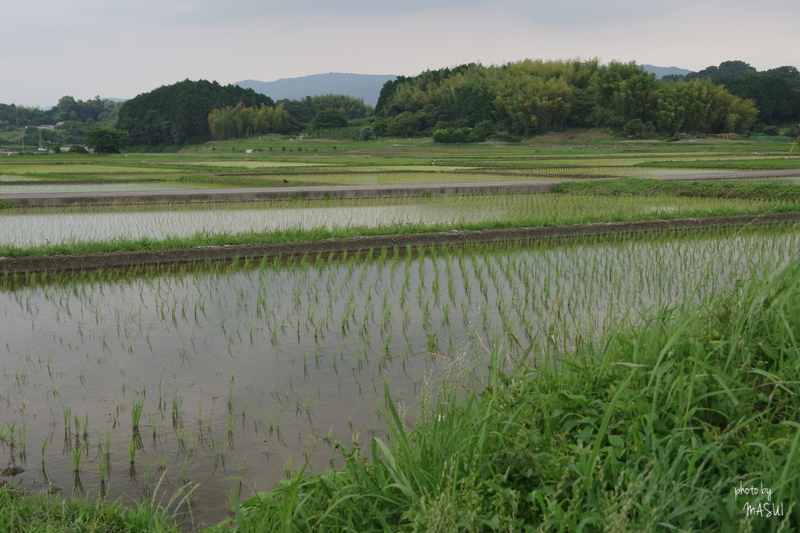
(325, 162)
(208, 382)
(221, 375)
(37, 227)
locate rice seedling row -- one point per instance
(34, 227)
(231, 372)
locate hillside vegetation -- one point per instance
(531, 97)
(175, 114)
(776, 92)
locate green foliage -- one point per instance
(67, 110)
(353, 108)
(700, 106)
(777, 100)
(533, 97)
(647, 429)
(178, 113)
(77, 149)
(460, 135)
(776, 92)
(107, 141)
(365, 134)
(238, 121)
(328, 119)
(28, 513)
(640, 130)
(305, 109)
(726, 71)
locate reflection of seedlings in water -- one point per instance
(218, 452)
(77, 484)
(103, 476)
(186, 469)
(161, 398)
(132, 448)
(230, 393)
(180, 433)
(154, 430)
(177, 403)
(77, 453)
(106, 452)
(192, 442)
(43, 470)
(136, 414)
(67, 416)
(161, 464)
(231, 425)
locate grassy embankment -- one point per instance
(654, 427)
(648, 429)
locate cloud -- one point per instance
(122, 48)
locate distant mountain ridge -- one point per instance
(366, 86)
(660, 72)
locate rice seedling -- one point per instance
(77, 454)
(44, 444)
(535, 297)
(136, 414)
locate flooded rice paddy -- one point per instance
(98, 187)
(219, 376)
(50, 226)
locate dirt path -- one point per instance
(122, 259)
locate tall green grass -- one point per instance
(652, 428)
(22, 512)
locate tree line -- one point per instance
(533, 97)
(466, 103)
(72, 120)
(178, 113)
(197, 110)
(776, 92)
(312, 114)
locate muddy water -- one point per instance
(239, 370)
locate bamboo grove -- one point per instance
(533, 97)
(240, 120)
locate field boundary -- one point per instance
(45, 263)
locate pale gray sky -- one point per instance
(121, 48)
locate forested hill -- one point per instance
(174, 114)
(776, 92)
(532, 97)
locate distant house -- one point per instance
(66, 147)
(47, 127)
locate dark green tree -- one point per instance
(178, 113)
(329, 119)
(77, 149)
(107, 141)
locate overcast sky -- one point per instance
(121, 48)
